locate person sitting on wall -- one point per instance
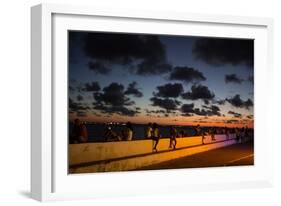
(111, 135)
(128, 132)
(79, 132)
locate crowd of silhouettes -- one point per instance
(79, 133)
(125, 135)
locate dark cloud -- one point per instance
(79, 97)
(232, 121)
(159, 113)
(235, 114)
(215, 109)
(212, 110)
(77, 106)
(250, 116)
(152, 67)
(189, 110)
(200, 112)
(169, 90)
(187, 75)
(92, 87)
(217, 51)
(206, 101)
(155, 111)
(113, 95)
(121, 110)
(98, 67)
(165, 97)
(248, 103)
(166, 103)
(76, 86)
(71, 89)
(233, 78)
(138, 108)
(99, 106)
(245, 120)
(144, 54)
(236, 101)
(198, 92)
(133, 90)
(112, 99)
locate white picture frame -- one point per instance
(49, 178)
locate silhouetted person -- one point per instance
(148, 131)
(79, 132)
(237, 133)
(247, 135)
(111, 135)
(182, 133)
(107, 133)
(155, 136)
(226, 133)
(129, 131)
(243, 135)
(200, 132)
(212, 133)
(173, 137)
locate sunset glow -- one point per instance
(171, 80)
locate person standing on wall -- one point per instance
(237, 133)
(226, 130)
(212, 132)
(155, 136)
(148, 131)
(173, 137)
(200, 132)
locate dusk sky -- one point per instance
(177, 80)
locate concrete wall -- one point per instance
(135, 163)
(88, 153)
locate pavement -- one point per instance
(234, 155)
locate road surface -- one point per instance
(238, 154)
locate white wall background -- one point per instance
(15, 101)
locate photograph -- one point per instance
(140, 102)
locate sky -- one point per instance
(171, 80)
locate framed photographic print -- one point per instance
(138, 102)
